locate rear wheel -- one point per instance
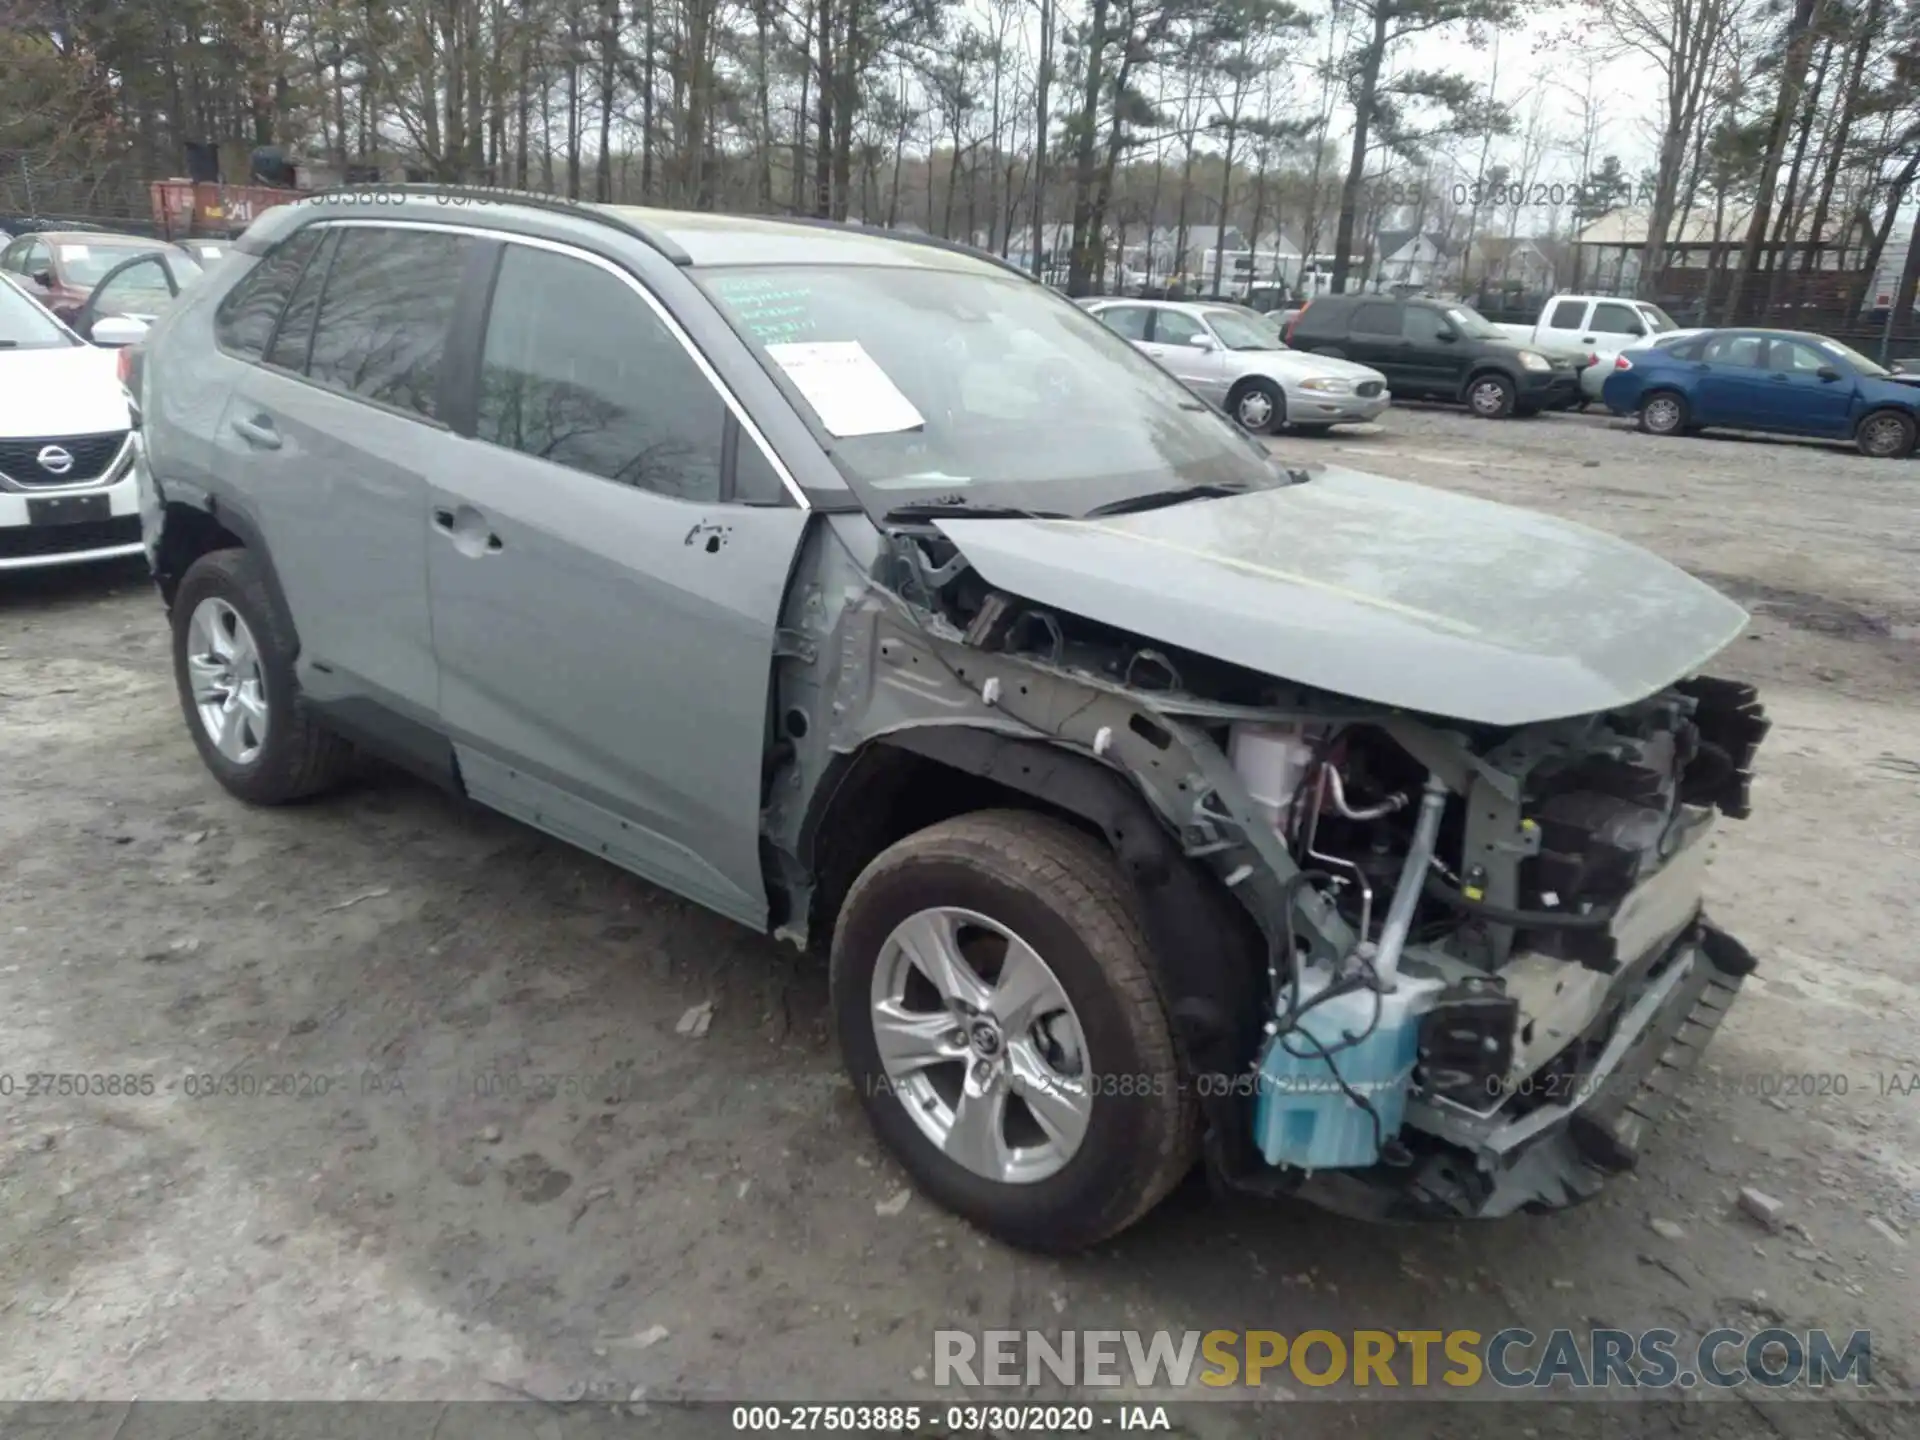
(1885, 435)
(233, 665)
(1490, 396)
(1663, 413)
(999, 1019)
(1257, 406)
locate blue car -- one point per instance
(1780, 380)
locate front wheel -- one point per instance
(1885, 435)
(1258, 406)
(998, 1016)
(1663, 413)
(1490, 397)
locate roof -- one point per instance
(711, 239)
(104, 238)
(1392, 242)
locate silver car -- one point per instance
(1233, 357)
(1151, 805)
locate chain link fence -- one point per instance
(36, 194)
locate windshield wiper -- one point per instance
(960, 507)
(1155, 499)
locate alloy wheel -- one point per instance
(1883, 435)
(981, 1045)
(229, 685)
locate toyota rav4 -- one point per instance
(1154, 805)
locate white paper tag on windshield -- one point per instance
(73, 252)
(847, 388)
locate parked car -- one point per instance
(1785, 381)
(1594, 376)
(67, 490)
(66, 264)
(1438, 350)
(1233, 357)
(863, 590)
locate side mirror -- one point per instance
(43, 278)
(1447, 336)
(116, 331)
(1827, 372)
(1201, 342)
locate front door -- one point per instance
(1432, 360)
(1194, 355)
(1810, 393)
(604, 609)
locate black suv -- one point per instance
(1432, 350)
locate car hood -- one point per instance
(1559, 354)
(1379, 590)
(75, 391)
(1298, 365)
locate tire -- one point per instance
(283, 754)
(1060, 892)
(1663, 413)
(1885, 435)
(1490, 396)
(1257, 406)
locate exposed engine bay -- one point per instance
(1470, 932)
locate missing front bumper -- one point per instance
(1560, 1155)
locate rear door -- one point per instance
(1731, 389)
(1433, 358)
(607, 555)
(1375, 336)
(1132, 322)
(336, 436)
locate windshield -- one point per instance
(942, 384)
(1852, 356)
(1658, 321)
(25, 324)
(86, 262)
(1244, 330)
(1472, 324)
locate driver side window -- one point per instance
(1170, 327)
(1799, 359)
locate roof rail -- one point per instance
(910, 237)
(461, 195)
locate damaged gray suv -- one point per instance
(1156, 806)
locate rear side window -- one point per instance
(243, 324)
(1127, 320)
(1737, 350)
(385, 312)
(1376, 318)
(577, 369)
(294, 337)
(1567, 315)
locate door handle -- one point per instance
(468, 529)
(257, 431)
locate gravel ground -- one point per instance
(520, 1177)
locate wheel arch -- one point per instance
(1481, 369)
(1909, 413)
(902, 782)
(189, 530)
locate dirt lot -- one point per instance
(520, 1177)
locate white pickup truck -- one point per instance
(1597, 324)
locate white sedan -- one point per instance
(67, 491)
(1233, 357)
